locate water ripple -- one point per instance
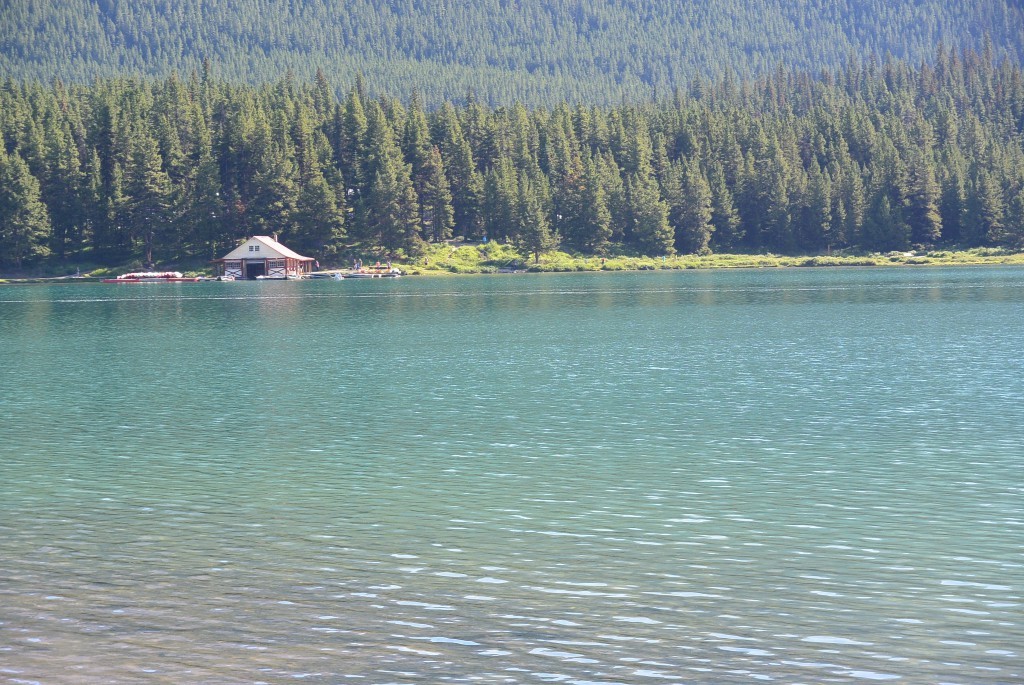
(805, 476)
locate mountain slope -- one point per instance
(534, 50)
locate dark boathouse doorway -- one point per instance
(254, 269)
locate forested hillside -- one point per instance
(881, 156)
(532, 51)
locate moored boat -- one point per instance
(326, 275)
(153, 277)
(375, 271)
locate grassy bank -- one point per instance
(495, 258)
(489, 258)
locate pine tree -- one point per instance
(985, 211)
(637, 148)
(774, 201)
(112, 236)
(953, 203)
(467, 185)
(323, 95)
(649, 230)
(501, 202)
(173, 127)
(1012, 235)
(205, 211)
(923, 201)
(150, 201)
(352, 143)
(592, 229)
(93, 203)
(416, 144)
(523, 139)
(62, 188)
(693, 233)
(884, 228)
(391, 208)
(673, 191)
(24, 221)
(748, 205)
(850, 202)
(275, 195)
(614, 190)
(392, 221)
(437, 213)
(318, 223)
(564, 167)
(814, 226)
(303, 138)
(533, 231)
(726, 220)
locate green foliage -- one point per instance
(24, 221)
(536, 51)
(648, 226)
(868, 157)
(694, 228)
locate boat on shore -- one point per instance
(153, 277)
(375, 271)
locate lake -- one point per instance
(793, 476)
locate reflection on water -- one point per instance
(791, 476)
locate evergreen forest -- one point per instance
(875, 155)
(538, 52)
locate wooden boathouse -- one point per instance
(261, 256)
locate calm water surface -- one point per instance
(798, 476)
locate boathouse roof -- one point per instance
(263, 247)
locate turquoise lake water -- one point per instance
(792, 476)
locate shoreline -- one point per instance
(562, 263)
(491, 259)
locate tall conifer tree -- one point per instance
(923, 198)
(24, 221)
(533, 231)
(437, 214)
(649, 229)
(693, 233)
(151, 201)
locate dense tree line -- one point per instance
(876, 156)
(539, 52)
